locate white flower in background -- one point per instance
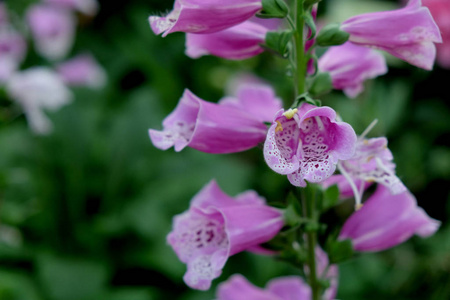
(36, 89)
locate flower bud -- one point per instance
(331, 35)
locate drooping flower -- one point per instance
(200, 16)
(53, 30)
(387, 220)
(231, 126)
(408, 33)
(238, 287)
(350, 65)
(37, 89)
(82, 70)
(372, 162)
(87, 7)
(307, 144)
(13, 48)
(440, 9)
(238, 42)
(217, 226)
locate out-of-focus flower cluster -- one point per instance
(48, 27)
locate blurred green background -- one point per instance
(85, 211)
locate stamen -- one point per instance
(352, 185)
(279, 127)
(289, 114)
(368, 129)
(382, 166)
(319, 123)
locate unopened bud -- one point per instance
(331, 35)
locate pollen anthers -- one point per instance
(289, 114)
(279, 127)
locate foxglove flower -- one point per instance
(234, 126)
(12, 51)
(350, 65)
(87, 7)
(53, 30)
(200, 16)
(238, 42)
(37, 89)
(3, 14)
(82, 70)
(408, 33)
(440, 9)
(217, 226)
(326, 271)
(283, 288)
(372, 162)
(307, 144)
(387, 220)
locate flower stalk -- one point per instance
(300, 56)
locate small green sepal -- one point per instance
(273, 9)
(332, 35)
(340, 251)
(322, 84)
(309, 20)
(279, 41)
(305, 97)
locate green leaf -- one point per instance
(330, 197)
(340, 251)
(273, 9)
(279, 41)
(322, 84)
(332, 35)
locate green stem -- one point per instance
(310, 203)
(300, 56)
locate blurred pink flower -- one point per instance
(232, 125)
(53, 30)
(237, 287)
(13, 49)
(201, 16)
(87, 7)
(386, 220)
(82, 70)
(440, 9)
(350, 65)
(307, 144)
(408, 33)
(217, 226)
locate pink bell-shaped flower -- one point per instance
(238, 42)
(200, 16)
(307, 143)
(440, 9)
(350, 65)
(217, 226)
(408, 33)
(238, 287)
(386, 220)
(233, 125)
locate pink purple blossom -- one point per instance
(233, 125)
(350, 65)
(238, 287)
(372, 162)
(217, 226)
(238, 42)
(386, 220)
(82, 70)
(408, 33)
(53, 30)
(440, 9)
(201, 16)
(307, 144)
